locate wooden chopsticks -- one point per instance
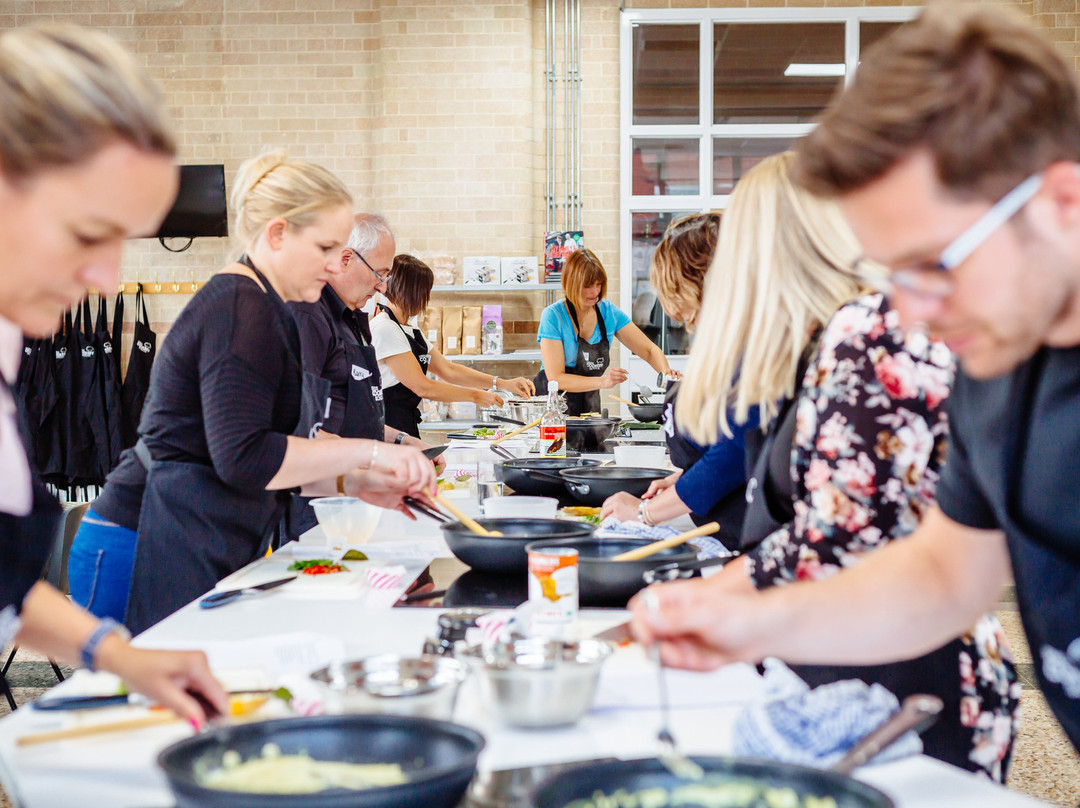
(465, 519)
(663, 544)
(517, 431)
(152, 720)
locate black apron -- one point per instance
(194, 529)
(36, 396)
(108, 368)
(729, 511)
(54, 447)
(89, 423)
(593, 359)
(26, 541)
(402, 405)
(364, 414)
(771, 505)
(137, 381)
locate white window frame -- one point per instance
(705, 130)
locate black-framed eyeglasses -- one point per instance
(382, 276)
(935, 280)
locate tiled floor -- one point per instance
(1045, 765)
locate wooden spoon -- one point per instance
(466, 520)
(663, 544)
(622, 401)
(517, 431)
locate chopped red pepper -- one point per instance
(323, 569)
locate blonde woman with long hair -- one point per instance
(710, 483)
(858, 435)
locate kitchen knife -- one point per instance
(620, 634)
(221, 598)
(116, 700)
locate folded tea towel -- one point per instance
(612, 528)
(385, 577)
(816, 727)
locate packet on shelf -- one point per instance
(492, 331)
(451, 330)
(471, 330)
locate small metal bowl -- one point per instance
(424, 686)
(538, 682)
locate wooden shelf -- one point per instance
(498, 287)
(516, 356)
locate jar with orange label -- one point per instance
(553, 589)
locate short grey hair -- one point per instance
(368, 228)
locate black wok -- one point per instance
(589, 434)
(506, 553)
(582, 782)
(647, 412)
(603, 582)
(591, 486)
(438, 757)
(519, 474)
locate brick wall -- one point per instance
(431, 111)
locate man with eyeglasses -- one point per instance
(955, 155)
(335, 342)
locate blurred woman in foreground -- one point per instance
(85, 163)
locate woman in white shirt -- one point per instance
(405, 358)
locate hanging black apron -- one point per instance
(402, 405)
(108, 369)
(364, 415)
(36, 395)
(194, 529)
(54, 450)
(593, 359)
(137, 381)
(771, 505)
(89, 412)
(26, 541)
(730, 511)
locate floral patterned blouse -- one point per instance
(870, 439)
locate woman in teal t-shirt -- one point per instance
(582, 364)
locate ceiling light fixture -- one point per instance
(814, 69)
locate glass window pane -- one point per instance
(665, 166)
(871, 32)
(666, 71)
(750, 62)
(646, 312)
(733, 157)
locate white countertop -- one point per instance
(118, 770)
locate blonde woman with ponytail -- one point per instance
(852, 456)
(225, 429)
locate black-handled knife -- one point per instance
(229, 595)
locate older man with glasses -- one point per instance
(955, 155)
(336, 345)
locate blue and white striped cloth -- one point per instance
(612, 528)
(816, 727)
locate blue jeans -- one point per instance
(99, 566)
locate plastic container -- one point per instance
(648, 457)
(346, 518)
(520, 507)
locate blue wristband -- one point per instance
(89, 648)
